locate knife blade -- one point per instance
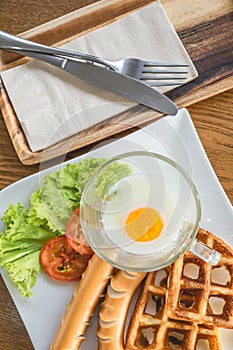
(122, 85)
(107, 79)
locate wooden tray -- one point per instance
(205, 29)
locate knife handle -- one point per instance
(53, 60)
(25, 47)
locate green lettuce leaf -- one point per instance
(28, 229)
(51, 205)
(23, 272)
(60, 194)
(74, 178)
(20, 246)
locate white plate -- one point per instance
(174, 137)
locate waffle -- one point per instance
(209, 292)
(167, 316)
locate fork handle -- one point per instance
(19, 45)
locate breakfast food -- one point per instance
(28, 228)
(174, 310)
(75, 234)
(166, 316)
(114, 310)
(210, 291)
(152, 328)
(61, 262)
(140, 212)
(85, 298)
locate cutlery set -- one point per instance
(130, 78)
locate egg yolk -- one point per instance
(144, 224)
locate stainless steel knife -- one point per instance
(106, 79)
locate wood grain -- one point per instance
(213, 119)
(27, 15)
(207, 38)
(195, 12)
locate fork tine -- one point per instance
(154, 74)
(152, 77)
(162, 83)
(159, 71)
(163, 64)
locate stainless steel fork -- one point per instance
(151, 73)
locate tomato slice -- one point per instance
(61, 262)
(75, 234)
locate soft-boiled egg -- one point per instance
(136, 215)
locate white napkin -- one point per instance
(52, 105)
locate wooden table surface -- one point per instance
(213, 119)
